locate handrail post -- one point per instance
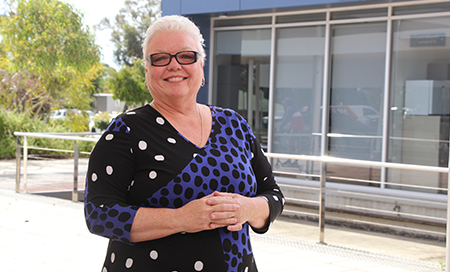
(75, 172)
(25, 163)
(18, 164)
(323, 178)
(447, 255)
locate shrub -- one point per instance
(11, 121)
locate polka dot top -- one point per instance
(142, 161)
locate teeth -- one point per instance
(175, 79)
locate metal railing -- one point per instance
(323, 160)
(60, 136)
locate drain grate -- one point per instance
(387, 260)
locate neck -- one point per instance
(175, 112)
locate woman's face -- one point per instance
(174, 80)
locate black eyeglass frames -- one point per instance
(163, 59)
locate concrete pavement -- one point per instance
(40, 233)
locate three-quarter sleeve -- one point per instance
(267, 186)
(110, 173)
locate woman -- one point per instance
(174, 184)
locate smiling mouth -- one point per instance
(172, 79)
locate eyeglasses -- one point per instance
(163, 59)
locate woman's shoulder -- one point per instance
(130, 118)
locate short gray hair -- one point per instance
(174, 23)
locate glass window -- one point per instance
(296, 18)
(298, 94)
(420, 9)
(356, 14)
(243, 21)
(241, 75)
(420, 100)
(356, 98)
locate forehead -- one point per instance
(171, 42)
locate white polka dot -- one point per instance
(265, 178)
(253, 155)
(160, 121)
(131, 150)
(109, 170)
(195, 155)
(275, 197)
(246, 269)
(152, 174)
(159, 157)
(276, 190)
(154, 254)
(172, 140)
(109, 137)
(131, 113)
(132, 183)
(142, 145)
(183, 232)
(104, 269)
(129, 129)
(129, 263)
(94, 177)
(102, 205)
(283, 200)
(198, 266)
(113, 257)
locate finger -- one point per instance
(216, 200)
(234, 227)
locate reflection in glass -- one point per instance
(420, 102)
(241, 79)
(298, 94)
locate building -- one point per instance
(364, 80)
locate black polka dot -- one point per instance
(198, 181)
(178, 189)
(118, 232)
(123, 217)
(113, 213)
(205, 171)
(225, 181)
(109, 225)
(212, 161)
(98, 229)
(178, 202)
(225, 167)
(213, 184)
(188, 193)
(227, 245)
(194, 167)
(164, 201)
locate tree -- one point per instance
(47, 57)
(129, 84)
(129, 27)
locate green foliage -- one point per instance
(129, 28)
(11, 121)
(102, 120)
(49, 58)
(129, 84)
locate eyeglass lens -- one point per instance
(163, 59)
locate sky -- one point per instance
(94, 11)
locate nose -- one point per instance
(173, 64)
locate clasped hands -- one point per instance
(221, 210)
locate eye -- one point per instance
(160, 58)
(187, 56)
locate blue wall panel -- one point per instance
(265, 4)
(208, 6)
(171, 7)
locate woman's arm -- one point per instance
(195, 216)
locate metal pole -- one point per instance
(447, 255)
(25, 163)
(75, 172)
(325, 129)
(18, 165)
